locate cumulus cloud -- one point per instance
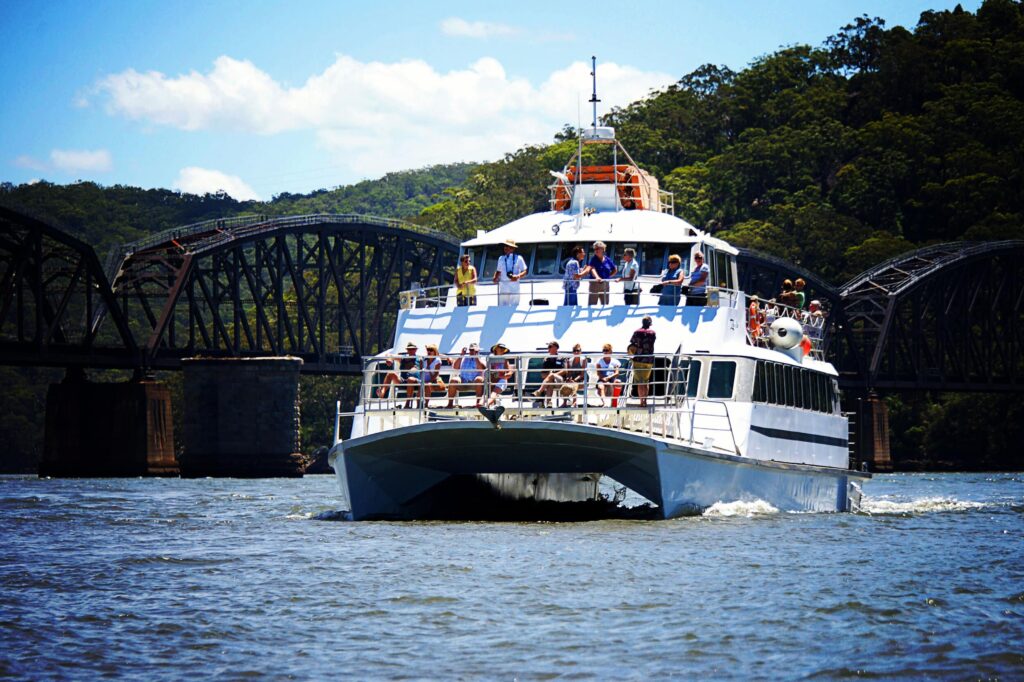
(78, 160)
(377, 116)
(195, 180)
(460, 28)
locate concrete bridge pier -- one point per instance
(108, 429)
(241, 418)
(871, 424)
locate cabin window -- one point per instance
(693, 379)
(545, 260)
(652, 261)
(683, 251)
(722, 269)
(721, 379)
(760, 395)
(491, 255)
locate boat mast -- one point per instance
(593, 97)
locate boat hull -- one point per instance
(412, 472)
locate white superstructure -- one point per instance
(733, 414)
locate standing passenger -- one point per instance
(601, 268)
(630, 272)
(672, 281)
(511, 268)
(642, 347)
(698, 293)
(801, 297)
(465, 282)
(571, 280)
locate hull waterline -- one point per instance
(415, 472)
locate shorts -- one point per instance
(471, 376)
(642, 372)
(499, 386)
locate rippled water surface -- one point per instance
(150, 578)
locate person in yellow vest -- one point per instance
(465, 282)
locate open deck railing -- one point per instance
(394, 396)
(543, 292)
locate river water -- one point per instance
(152, 579)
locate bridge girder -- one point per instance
(52, 293)
(945, 317)
(322, 287)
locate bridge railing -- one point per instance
(223, 229)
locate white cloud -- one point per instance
(78, 160)
(375, 116)
(460, 28)
(70, 161)
(195, 180)
(26, 161)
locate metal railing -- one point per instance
(405, 390)
(547, 292)
(814, 324)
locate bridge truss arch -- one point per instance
(320, 287)
(53, 294)
(945, 317)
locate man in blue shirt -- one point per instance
(698, 291)
(601, 268)
(571, 280)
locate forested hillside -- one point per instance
(834, 156)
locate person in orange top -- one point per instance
(755, 318)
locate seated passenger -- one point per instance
(430, 374)
(553, 372)
(575, 375)
(672, 281)
(407, 373)
(469, 371)
(607, 373)
(501, 369)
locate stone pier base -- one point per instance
(121, 429)
(241, 418)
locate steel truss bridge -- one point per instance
(325, 288)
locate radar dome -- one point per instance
(786, 333)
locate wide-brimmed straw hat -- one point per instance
(509, 242)
(499, 346)
(411, 345)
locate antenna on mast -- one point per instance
(593, 98)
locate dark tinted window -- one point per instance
(721, 379)
(693, 382)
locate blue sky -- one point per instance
(263, 97)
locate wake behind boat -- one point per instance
(678, 386)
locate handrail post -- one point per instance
(337, 421)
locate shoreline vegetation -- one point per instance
(835, 157)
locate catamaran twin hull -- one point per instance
(411, 472)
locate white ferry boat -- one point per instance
(731, 414)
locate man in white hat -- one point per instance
(511, 268)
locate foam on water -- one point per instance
(921, 505)
(740, 508)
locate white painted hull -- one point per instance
(404, 473)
